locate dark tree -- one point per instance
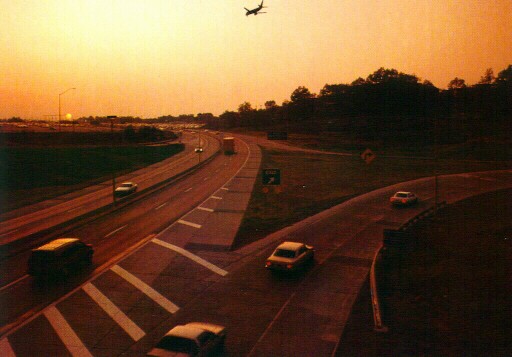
(457, 83)
(488, 77)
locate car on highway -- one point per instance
(290, 256)
(126, 188)
(192, 339)
(199, 149)
(403, 198)
(60, 256)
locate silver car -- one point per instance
(290, 256)
(192, 339)
(126, 188)
(402, 198)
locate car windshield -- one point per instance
(284, 253)
(401, 195)
(126, 185)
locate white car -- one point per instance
(126, 188)
(403, 198)
(199, 149)
(192, 339)
(290, 256)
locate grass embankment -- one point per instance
(450, 296)
(29, 175)
(311, 183)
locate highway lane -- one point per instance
(158, 285)
(114, 234)
(70, 206)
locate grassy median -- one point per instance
(29, 175)
(311, 183)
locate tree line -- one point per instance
(388, 103)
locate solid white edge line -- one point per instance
(146, 289)
(187, 223)
(188, 189)
(163, 204)
(114, 312)
(117, 230)
(66, 333)
(191, 256)
(205, 209)
(6, 349)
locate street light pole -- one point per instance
(67, 90)
(112, 117)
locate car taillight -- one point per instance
(289, 266)
(267, 264)
(404, 200)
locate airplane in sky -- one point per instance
(256, 10)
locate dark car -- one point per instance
(192, 339)
(59, 256)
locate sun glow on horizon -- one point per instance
(160, 57)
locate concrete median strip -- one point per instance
(146, 289)
(114, 312)
(66, 333)
(191, 256)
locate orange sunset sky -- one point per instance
(154, 57)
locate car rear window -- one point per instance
(285, 253)
(177, 344)
(126, 185)
(401, 195)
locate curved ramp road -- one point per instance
(176, 277)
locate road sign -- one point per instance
(368, 156)
(271, 176)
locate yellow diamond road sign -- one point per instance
(368, 156)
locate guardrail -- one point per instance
(394, 238)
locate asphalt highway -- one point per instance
(148, 277)
(112, 235)
(30, 220)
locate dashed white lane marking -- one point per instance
(187, 223)
(66, 333)
(6, 349)
(188, 189)
(117, 230)
(191, 256)
(225, 188)
(163, 204)
(216, 197)
(146, 289)
(205, 209)
(113, 311)
(206, 178)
